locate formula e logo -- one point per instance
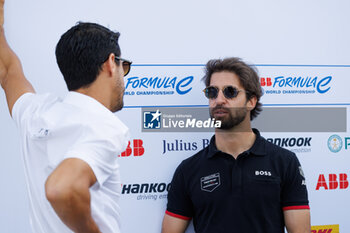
(335, 143)
(168, 85)
(211, 182)
(296, 84)
(152, 120)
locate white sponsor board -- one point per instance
(301, 46)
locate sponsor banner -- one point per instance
(332, 182)
(147, 191)
(287, 85)
(181, 145)
(325, 229)
(135, 148)
(303, 85)
(152, 85)
(294, 144)
(181, 84)
(338, 143)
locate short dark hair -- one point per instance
(82, 50)
(247, 74)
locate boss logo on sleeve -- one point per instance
(211, 182)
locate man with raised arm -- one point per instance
(240, 183)
(70, 146)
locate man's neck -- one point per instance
(98, 92)
(234, 141)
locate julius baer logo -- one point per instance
(296, 85)
(136, 86)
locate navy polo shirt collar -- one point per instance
(257, 149)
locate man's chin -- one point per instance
(220, 118)
(118, 107)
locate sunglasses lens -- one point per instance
(211, 92)
(230, 92)
(126, 67)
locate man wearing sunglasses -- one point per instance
(240, 183)
(70, 146)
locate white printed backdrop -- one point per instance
(172, 40)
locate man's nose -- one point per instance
(220, 99)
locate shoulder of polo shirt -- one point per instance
(194, 159)
(273, 149)
(259, 146)
(212, 150)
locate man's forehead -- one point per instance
(225, 78)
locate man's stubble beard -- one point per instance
(234, 117)
(120, 101)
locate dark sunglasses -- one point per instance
(125, 63)
(229, 92)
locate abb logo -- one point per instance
(137, 148)
(334, 182)
(265, 82)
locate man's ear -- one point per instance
(110, 66)
(251, 103)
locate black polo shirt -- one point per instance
(244, 195)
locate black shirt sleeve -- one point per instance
(294, 192)
(179, 201)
